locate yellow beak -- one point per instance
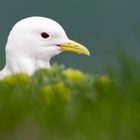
(75, 47)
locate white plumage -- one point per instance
(28, 49)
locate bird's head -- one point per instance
(41, 38)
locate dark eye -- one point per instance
(44, 35)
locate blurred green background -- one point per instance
(105, 27)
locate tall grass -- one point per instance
(67, 104)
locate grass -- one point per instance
(67, 104)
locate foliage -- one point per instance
(67, 104)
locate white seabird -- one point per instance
(31, 44)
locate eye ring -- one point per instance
(44, 35)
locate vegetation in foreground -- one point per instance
(67, 104)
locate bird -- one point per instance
(32, 42)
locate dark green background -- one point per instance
(104, 26)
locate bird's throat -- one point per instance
(25, 65)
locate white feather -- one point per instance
(27, 51)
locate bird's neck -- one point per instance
(24, 64)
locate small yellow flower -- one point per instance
(55, 92)
(105, 80)
(74, 75)
(13, 80)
